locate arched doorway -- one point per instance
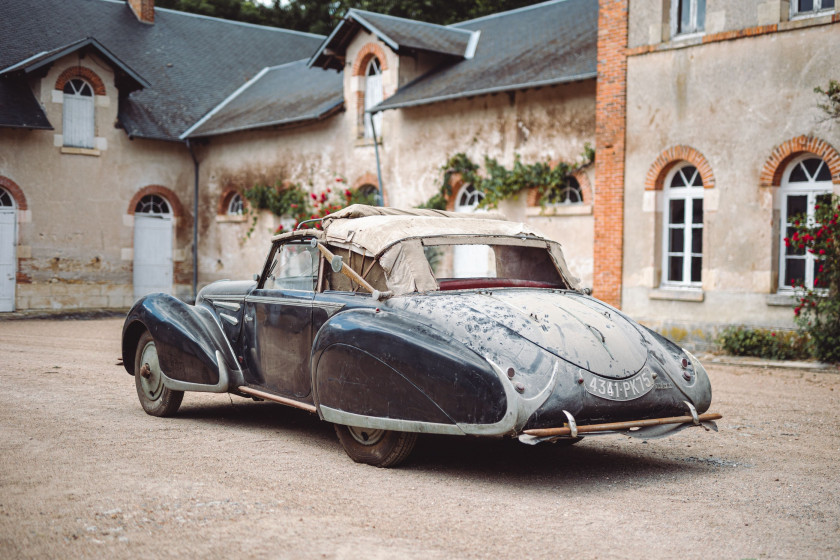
(152, 246)
(8, 258)
(471, 261)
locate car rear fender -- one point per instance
(369, 364)
(193, 351)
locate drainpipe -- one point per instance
(195, 222)
(379, 198)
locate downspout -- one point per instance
(195, 222)
(379, 198)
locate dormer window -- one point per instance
(373, 96)
(78, 126)
(688, 16)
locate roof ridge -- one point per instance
(509, 12)
(389, 16)
(233, 22)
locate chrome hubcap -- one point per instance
(366, 436)
(152, 384)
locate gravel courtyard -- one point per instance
(85, 473)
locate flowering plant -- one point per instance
(818, 309)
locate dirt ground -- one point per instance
(85, 473)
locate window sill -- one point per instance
(678, 294)
(808, 17)
(559, 210)
(782, 299)
(80, 151)
(224, 218)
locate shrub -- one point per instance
(764, 343)
(818, 310)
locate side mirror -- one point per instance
(336, 263)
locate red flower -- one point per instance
(816, 206)
(313, 196)
(822, 251)
(347, 193)
(772, 334)
(797, 310)
(329, 190)
(339, 180)
(821, 269)
(293, 205)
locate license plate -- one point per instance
(618, 390)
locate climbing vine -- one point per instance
(292, 201)
(498, 183)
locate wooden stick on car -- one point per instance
(346, 270)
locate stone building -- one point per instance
(717, 141)
(129, 133)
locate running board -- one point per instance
(282, 400)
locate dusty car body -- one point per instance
(392, 323)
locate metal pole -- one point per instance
(379, 197)
(195, 222)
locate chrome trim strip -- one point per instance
(220, 387)
(230, 306)
(572, 423)
(290, 301)
(376, 423)
(232, 320)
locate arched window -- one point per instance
(805, 184)
(78, 125)
(153, 204)
(468, 199)
(235, 206)
(6, 200)
(373, 96)
(569, 194)
(683, 232)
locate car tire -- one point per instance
(380, 448)
(155, 399)
(566, 442)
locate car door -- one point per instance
(278, 320)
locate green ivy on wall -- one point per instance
(499, 183)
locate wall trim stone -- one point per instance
(168, 194)
(15, 191)
(81, 72)
(655, 180)
(781, 156)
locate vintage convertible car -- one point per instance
(392, 323)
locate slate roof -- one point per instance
(549, 43)
(282, 95)
(18, 106)
(191, 63)
(398, 33)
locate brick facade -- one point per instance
(15, 191)
(610, 109)
(771, 174)
(84, 73)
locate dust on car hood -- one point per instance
(576, 328)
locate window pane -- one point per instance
(701, 15)
(677, 212)
(794, 271)
(694, 176)
(827, 4)
(675, 272)
(796, 205)
(824, 199)
(685, 16)
(677, 240)
(697, 241)
(696, 267)
(678, 180)
(793, 249)
(798, 174)
(811, 165)
(806, 5)
(697, 211)
(823, 174)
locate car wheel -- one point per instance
(380, 448)
(155, 399)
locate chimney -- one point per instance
(143, 9)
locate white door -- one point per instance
(471, 261)
(8, 261)
(152, 254)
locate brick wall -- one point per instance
(610, 110)
(143, 9)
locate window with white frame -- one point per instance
(78, 129)
(807, 7)
(805, 184)
(570, 193)
(152, 204)
(688, 16)
(683, 232)
(235, 206)
(373, 97)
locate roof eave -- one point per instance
(303, 119)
